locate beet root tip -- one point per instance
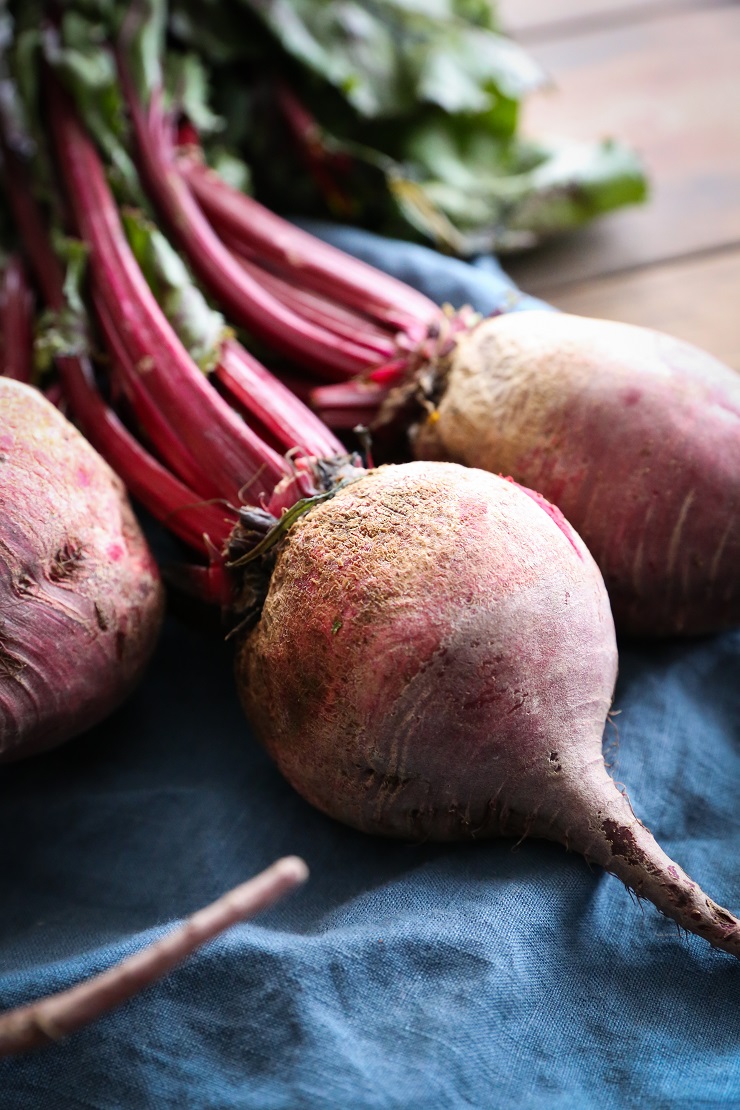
(608, 833)
(50, 1019)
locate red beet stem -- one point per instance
(327, 167)
(245, 299)
(168, 499)
(16, 323)
(50, 1019)
(236, 456)
(320, 266)
(211, 585)
(149, 416)
(319, 309)
(346, 404)
(47, 269)
(285, 421)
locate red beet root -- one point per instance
(81, 596)
(634, 435)
(435, 660)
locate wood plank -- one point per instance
(530, 19)
(695, 299)
(670, 87)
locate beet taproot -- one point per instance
(82, 601)
(435, 660)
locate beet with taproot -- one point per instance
(435, 660)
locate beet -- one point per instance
(82, 600)
(435, 660)
(634, 435)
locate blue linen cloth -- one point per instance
(401, 976)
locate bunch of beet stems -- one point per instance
(214, 446)
(148, 480)
(329, 314)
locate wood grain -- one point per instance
(671, 88)
(530, 19)
(695, 299)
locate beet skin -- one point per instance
(634, 435)
(81, 601)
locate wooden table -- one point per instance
(664, 76)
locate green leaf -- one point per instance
(348, 46)
(508, 196)
(187, 86)
(467, 69)
(387, 56)
(574, 182)
(422, 95)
